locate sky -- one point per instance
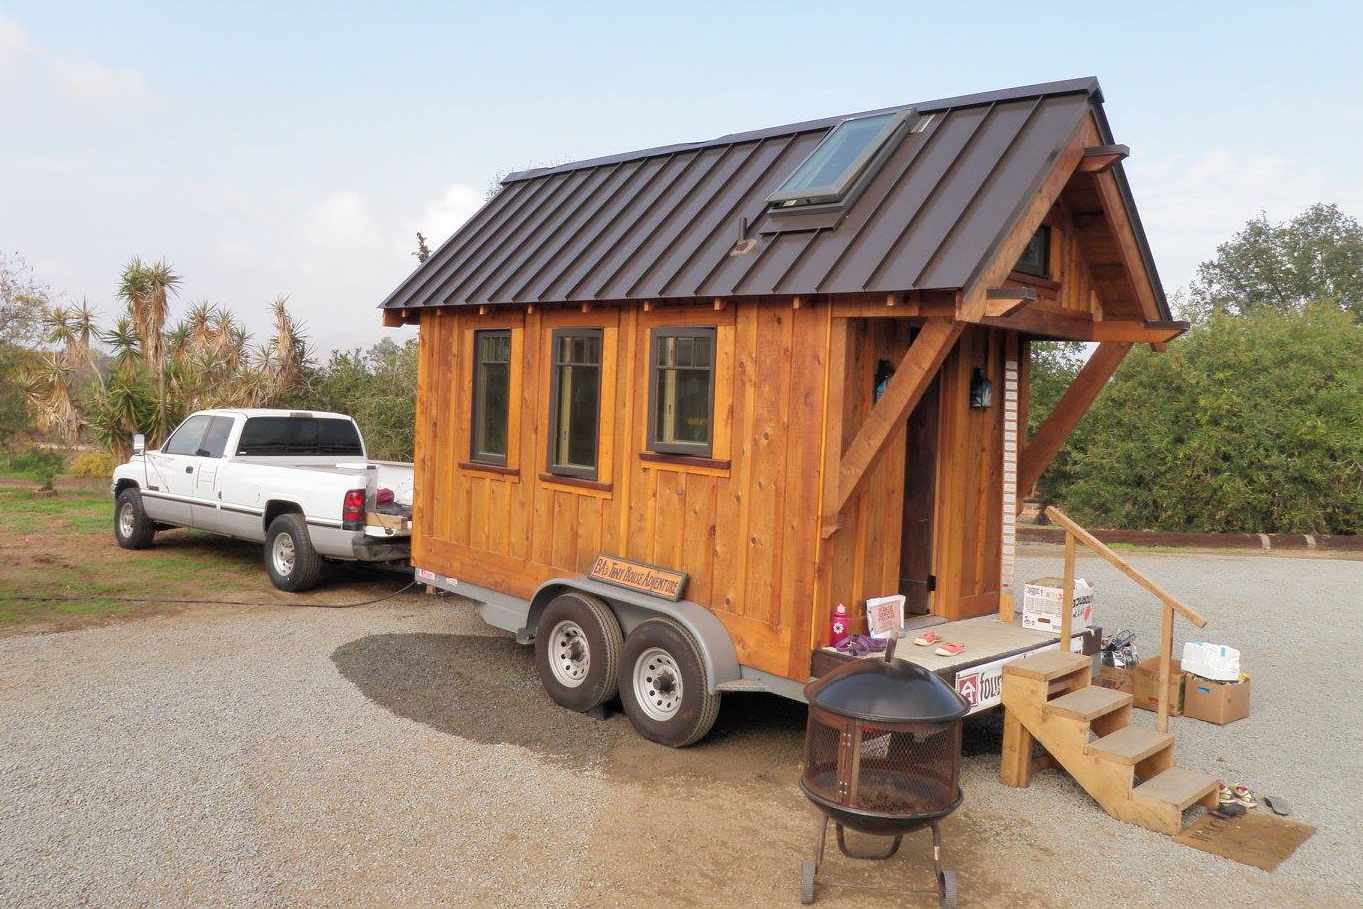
(276, 148)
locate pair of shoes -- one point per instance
(1236, 795)
(948, 648)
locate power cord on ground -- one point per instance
(162, 601)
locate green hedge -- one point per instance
(1248, 423)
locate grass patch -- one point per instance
(27, 512)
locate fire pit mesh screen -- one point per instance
(900, 768)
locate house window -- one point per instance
(575, 398)
(491, 395)
(681, 404)
(1036, 258)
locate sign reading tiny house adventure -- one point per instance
(650, 579)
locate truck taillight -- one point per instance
(352, 510)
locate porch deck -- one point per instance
(988, 643)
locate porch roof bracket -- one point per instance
(911, 378)
(1038, 453)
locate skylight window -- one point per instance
(837, 169)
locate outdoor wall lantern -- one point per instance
(981, 389)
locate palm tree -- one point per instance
(146, 290)
(48, 388)
(127, 348)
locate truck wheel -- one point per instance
(290, 560)
(663, 685)
(132, 528)
(577, 650)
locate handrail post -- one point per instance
(1067, 594)
(1166, 652)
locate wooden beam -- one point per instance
(1073, 404)
(1021, 228)
(392, 318)
(835, 384)
(1139, 332)
(1003, 301)
(1098, 158)
(1125, 235)
(911, 378)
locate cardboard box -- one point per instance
(1215, 702)
(1115, 677)
(1041, 604)
(1145, 685)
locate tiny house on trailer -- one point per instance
(676, 404)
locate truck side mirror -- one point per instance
(139, 443)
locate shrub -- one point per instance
(1248, 423)
(40, 464)
(92, 464)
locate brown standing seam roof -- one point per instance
(661, 223)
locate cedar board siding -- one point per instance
(746, 533)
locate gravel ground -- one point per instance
(404, 754)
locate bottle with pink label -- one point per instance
(839, 626)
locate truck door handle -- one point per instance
(189, 469)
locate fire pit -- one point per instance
(882, 757)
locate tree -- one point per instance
(22, 301)
(1317, 255)
(423, 252)
(1248, 423)
(146, 289)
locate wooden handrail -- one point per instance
(1125, 567)
(1171, 605)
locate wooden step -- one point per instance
(1089, 703)
(1130, 745)
(1177, 786)
(1048, 666)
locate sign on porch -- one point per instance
(885, 616)
(639, 576)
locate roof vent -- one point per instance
(837, 170)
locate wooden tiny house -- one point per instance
(798, 376)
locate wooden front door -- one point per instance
(920, 486)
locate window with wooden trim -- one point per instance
(575, 402)
(681, 401)
(491, 396)
(1036, 257)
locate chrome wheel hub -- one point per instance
(658, 684)
(127, 519)
(570, 657)
(283, 554)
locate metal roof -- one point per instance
(663, 223)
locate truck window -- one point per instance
(308, 436)
(187, 438)
(215, 439)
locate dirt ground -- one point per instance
(404, 753)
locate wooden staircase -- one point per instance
(1129, 770)
(1086, 729)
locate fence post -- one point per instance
(1067, 593)
(1166, 651)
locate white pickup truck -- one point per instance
(297, 481)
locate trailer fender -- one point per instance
(632, 609)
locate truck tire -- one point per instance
(290, 560)
(577, 650)
(132, 528)
(663, 685)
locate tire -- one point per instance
(577, 651)
(660, 650)
(132, 528)
(288, 535)
(946, 890)
(807, 872)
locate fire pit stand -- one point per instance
(882, 757)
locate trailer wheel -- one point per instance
(577, 650)
(132, 528)
(663, 685)
(290, 560)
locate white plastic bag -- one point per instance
(1211, 661)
